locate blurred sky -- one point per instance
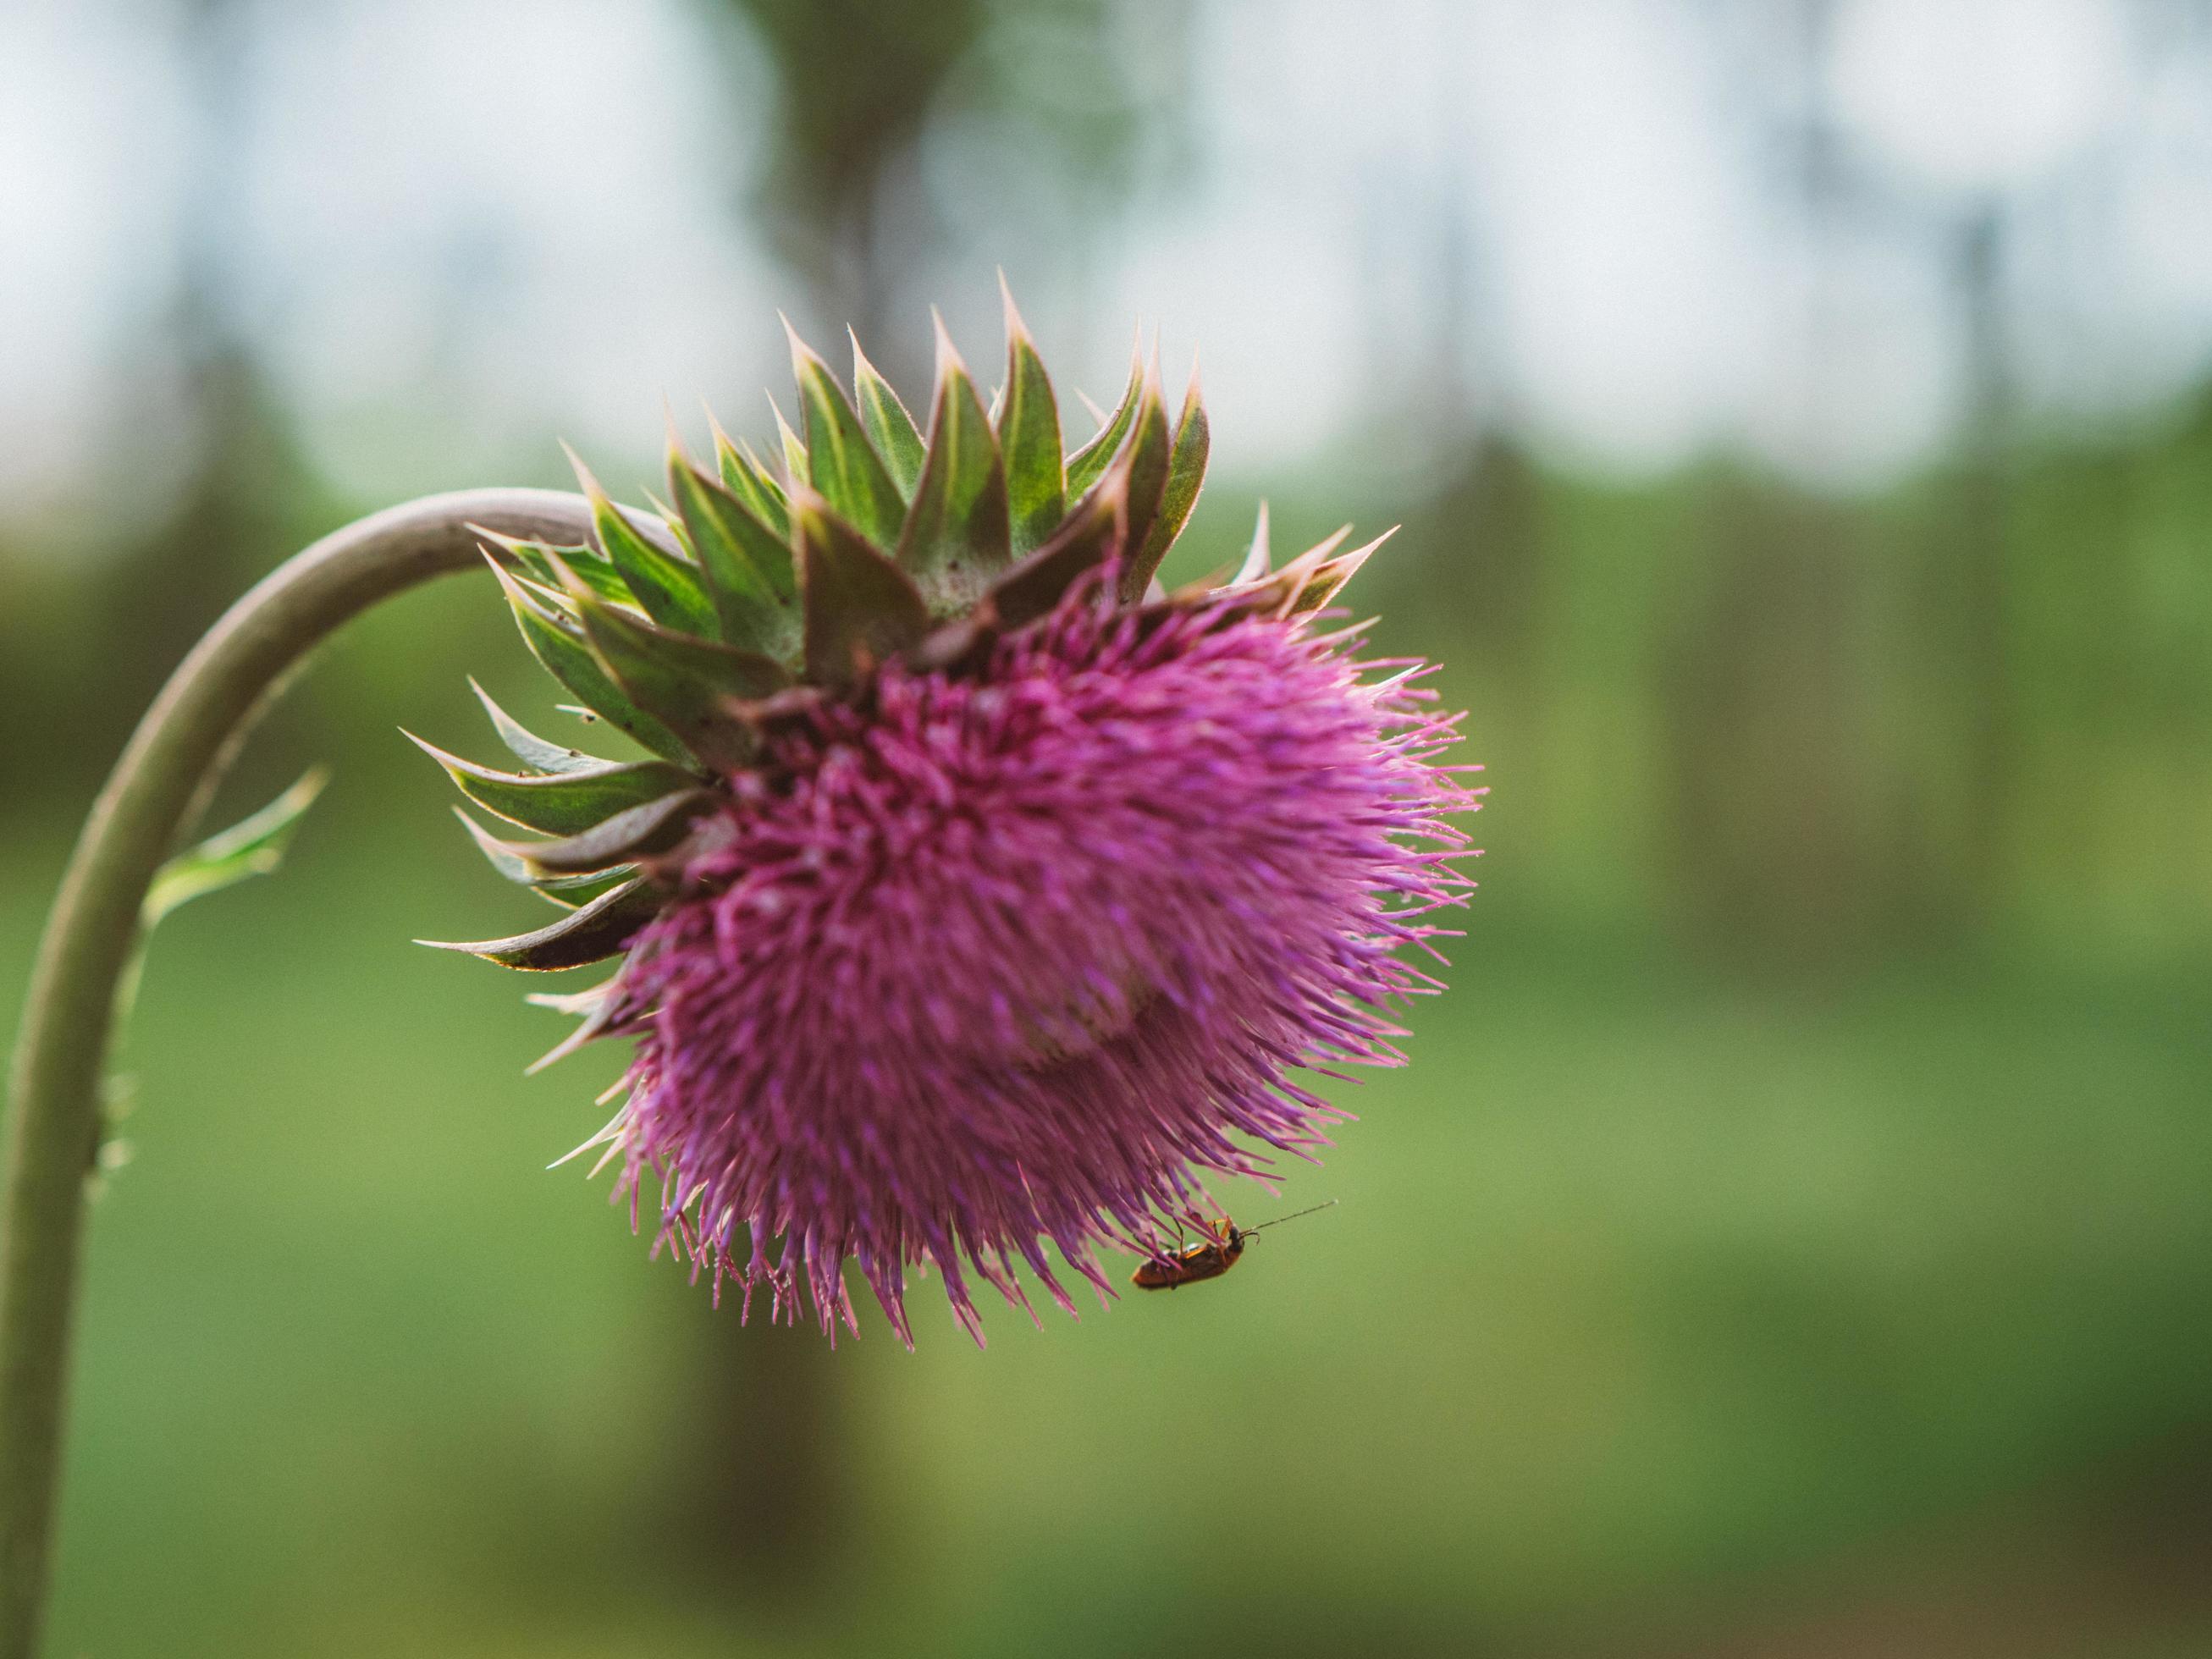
(1638, 229)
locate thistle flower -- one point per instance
(978, 893)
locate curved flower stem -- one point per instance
(166, 772)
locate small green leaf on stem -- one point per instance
(254, 846)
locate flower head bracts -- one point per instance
(978, 900)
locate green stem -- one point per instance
(165, 774)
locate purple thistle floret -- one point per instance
(970, 962)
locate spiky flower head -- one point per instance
(977, 894)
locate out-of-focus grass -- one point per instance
(1645, 1279)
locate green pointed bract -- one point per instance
(534, 560)
(1089, 464)
(842, 465)
(1186, 474)
(1257, 555)
(956, 537)
(1330, 575)
(669, 591)
(557, 643)
(771, 481)
(859, 607)
(641, 832)
(599, 1007)
(672, 522)
(564, 803)
(1148, 448)
(750, 578)
(1312, 579)
(528, 747)
(597, 931)
(1095, 532)
(1028, 442)
(794, 450)
(744, 476)
(551, 595)
(574, 892)
(567, 892)
(576, 1004)
(254, 846)
(887, 423)
(682, 681)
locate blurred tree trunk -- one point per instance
(773, 1512)
(1491, 515)
(776, 1506)
(855, 84)
(769, 1514)
(1764, 688)
(1970, 612)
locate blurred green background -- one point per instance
(1791, 1236)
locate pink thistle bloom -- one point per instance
(988, 962)
(1002, 932)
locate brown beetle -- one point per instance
(1209, 1258)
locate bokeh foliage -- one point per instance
(1794, 1214)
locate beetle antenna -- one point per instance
(1293, 1216)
